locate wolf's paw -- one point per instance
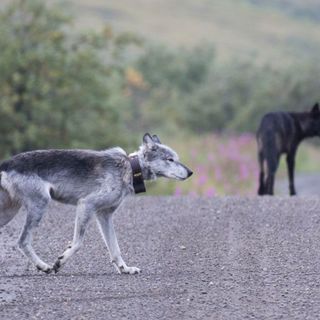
(129, 270)
(57, 265)
(44, 268)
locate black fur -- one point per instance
(281, 133)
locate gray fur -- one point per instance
(95, 181)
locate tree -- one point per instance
(58, 89)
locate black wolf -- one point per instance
(282, 132)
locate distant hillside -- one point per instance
(276, 31)
(273, 31)
(306, 9)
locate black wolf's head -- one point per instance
(311, 123)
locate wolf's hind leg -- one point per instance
(35, 211)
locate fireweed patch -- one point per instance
(227, 165)
(221, 165)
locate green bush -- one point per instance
(66, 89)
(58, 89)
(189, 89)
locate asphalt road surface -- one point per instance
(223, 258)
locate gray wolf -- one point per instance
(95, 181)
(281, 133)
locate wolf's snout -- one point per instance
(190, 173)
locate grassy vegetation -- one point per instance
(307, 9)
(273, 32)
(72, 88)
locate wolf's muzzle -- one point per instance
(190, 173)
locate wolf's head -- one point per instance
(310, 124)
(158, 160)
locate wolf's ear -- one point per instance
(156, 139)
(147, 140)
(315, 108)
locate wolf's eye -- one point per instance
(170, 159)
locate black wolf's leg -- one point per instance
(261, 190)
(290, 165)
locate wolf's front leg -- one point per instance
(106, 227)
(83, 215)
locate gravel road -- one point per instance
(223, 258)
(307, 184)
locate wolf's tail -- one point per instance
(271, 157)
(8, 207)
(268, 157)
(270, 152)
